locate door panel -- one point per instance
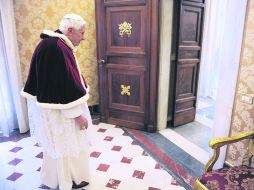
(133, 38)
(124, 44)
(188, 60)
(190, 25)
(127, 89)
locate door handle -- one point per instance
(101, 61)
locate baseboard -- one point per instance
(95, 113)
(96, 120)
(94, 109)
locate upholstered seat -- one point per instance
(230, 178)
(241, 177)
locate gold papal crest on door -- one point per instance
(125, 28)
(125, 90)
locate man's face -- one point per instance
(77, 35)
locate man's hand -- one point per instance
(82, 122)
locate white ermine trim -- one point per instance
(79, 71)
(77, 102)
(26, 95)
(61, 36)
(87, 89)
(64, 106)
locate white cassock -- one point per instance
(65, 146)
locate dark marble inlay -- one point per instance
(113, 183)
(108, 138)
(116, 148)
(138, 174)
(103, 167)
(15, 161)
(16, 149)
(101, 130)
(14, 176)
(95, 154)
(40, 155)
(158, 166)
(126, 160)
(153, 188)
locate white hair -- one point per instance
(71, 21)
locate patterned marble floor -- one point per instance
(116, 162)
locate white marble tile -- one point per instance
(133, 184)
(122, 140)
(143, 163)
(29, 151)
(101, 147)
(30, 180)
(132, 151)
(163, 178)
(25, 142)
(6, 146)
(6, 171)
(7, 185)
(115, 132)
(98, 180)
(105, 125)
(29, 165)
(94, 163)
(120, 171)
(110, 157)
(6, 157)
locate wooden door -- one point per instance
(188, 51)
(127, 37)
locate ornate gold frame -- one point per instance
(216, 144)
(219, 142)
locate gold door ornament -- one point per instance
(125, 90)
(125, 28)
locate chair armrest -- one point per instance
(219, 142)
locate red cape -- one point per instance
(54, 78)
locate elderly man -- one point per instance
(60, 92)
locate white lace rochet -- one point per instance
(58, 135)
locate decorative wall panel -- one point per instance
(243, 114)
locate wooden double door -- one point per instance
(127, 51)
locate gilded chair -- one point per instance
(229, 178)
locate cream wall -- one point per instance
(32, 16)
(243, 114)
